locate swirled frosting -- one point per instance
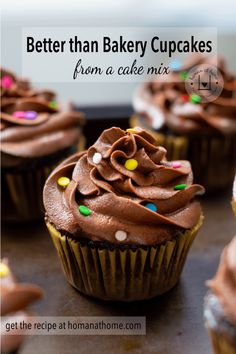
(50, 130)
(163, 104)
(20, 88)
(118, 197)
(15, 298)
(223, 285)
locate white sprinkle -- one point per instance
(186, 109)
(97, 158)
(120, 235)
(200, 192)
(138, 129)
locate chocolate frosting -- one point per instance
(20, 88)
(117, 196)
(161, 104)
(15, 297)
(52, 129)
(223, 285)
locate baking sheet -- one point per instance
(174, 321)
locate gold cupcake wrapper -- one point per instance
(123, 275)
(22, 194)
(212, 158)
(82, 143)
(233, 203)
(22, 198)
(221, 344)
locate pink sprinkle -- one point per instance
(30, 115)
(176, 164)
(19, 114)
(6, 81)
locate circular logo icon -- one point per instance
(205, 81)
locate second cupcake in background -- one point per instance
(122, 217)
(201, 131)
(220, 303)
(35, 136)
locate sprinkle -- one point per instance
(97, 158)
(25, 114)
(200, 192)
(30, 115)
(176, 164)
(175, 64)
(19, 114)
(180, 186)
(52, 104)
(84, 210)
(6, 81)
(134, 130)
(4, 270)
(63, 182)
(184, 75)
(120, 235)
(131, 164)
(195, 98)
(185, 98)
(151, 206)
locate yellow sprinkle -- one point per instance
(4, 270)
(133, 130)
(131, 164)
(63, 182)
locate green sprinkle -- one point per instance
(180, 186)
(52, 104)
(84, 210)
(184, 75)
(195, 98)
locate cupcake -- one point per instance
(220, 303)
(122, 217)
(191, 127)
(35, 136)
(233, 203)
(15, 298)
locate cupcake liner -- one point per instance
(205, 152)
(233, 203)
(221, 344)
(221, 331)
(82, 143)
(22, 194)
(122, 272)
(213, 160)
(22, 186)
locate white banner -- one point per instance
(88, 54)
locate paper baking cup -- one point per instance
(233, 203)
(22, 188)
(221, 344)
(205, 152)
(122, 273)
(22, 194)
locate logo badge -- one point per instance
(205, 81)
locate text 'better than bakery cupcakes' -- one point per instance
(35, 136)
(122, 217)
